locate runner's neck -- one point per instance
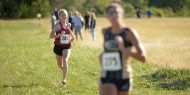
(117, 28)
(64, 24)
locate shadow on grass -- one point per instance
(18, 85)
(170, 79)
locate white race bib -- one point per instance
(111, 61)
(64, 39)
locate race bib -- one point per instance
(111, 61)
(64, 39)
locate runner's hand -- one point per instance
(59, 35)
(120, 42)
(62, 33)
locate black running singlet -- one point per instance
(111, 47)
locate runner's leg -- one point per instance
(108, 89)
(59, 61)
(66, 55)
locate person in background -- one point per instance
(139, 13)
(92, 25)
(81, 18)
(71, 20)
(87, 20)
(149, 13)
(78, 24)
(54, 17)
(53, 20)
(56, 13)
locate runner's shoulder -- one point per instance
(132, 33)
(57, 26)
(105, 29)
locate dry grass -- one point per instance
(167, 40)
(28, 63)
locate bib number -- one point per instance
(111, 61)
(64, 39)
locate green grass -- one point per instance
(28, 66)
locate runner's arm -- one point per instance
(55, 28)
(140, 55)
(135, 40)
(100, 56)
(73, 36)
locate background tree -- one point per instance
(29, 8)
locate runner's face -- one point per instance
(62, 16)
(114, 14)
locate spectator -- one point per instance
(71, 20)
(54, 18)
(92, 25)
(149, 13)
(139, 13)
(87, 20)
(78, 24)
(56, 13)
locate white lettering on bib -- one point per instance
(111, 61)
(64, 39)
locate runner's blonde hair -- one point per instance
(64, 11)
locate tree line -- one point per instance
(12, 9)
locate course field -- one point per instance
(28, 65)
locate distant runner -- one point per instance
(63, 38)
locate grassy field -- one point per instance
(28, 65)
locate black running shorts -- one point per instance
(121, 84)
(59, 49)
